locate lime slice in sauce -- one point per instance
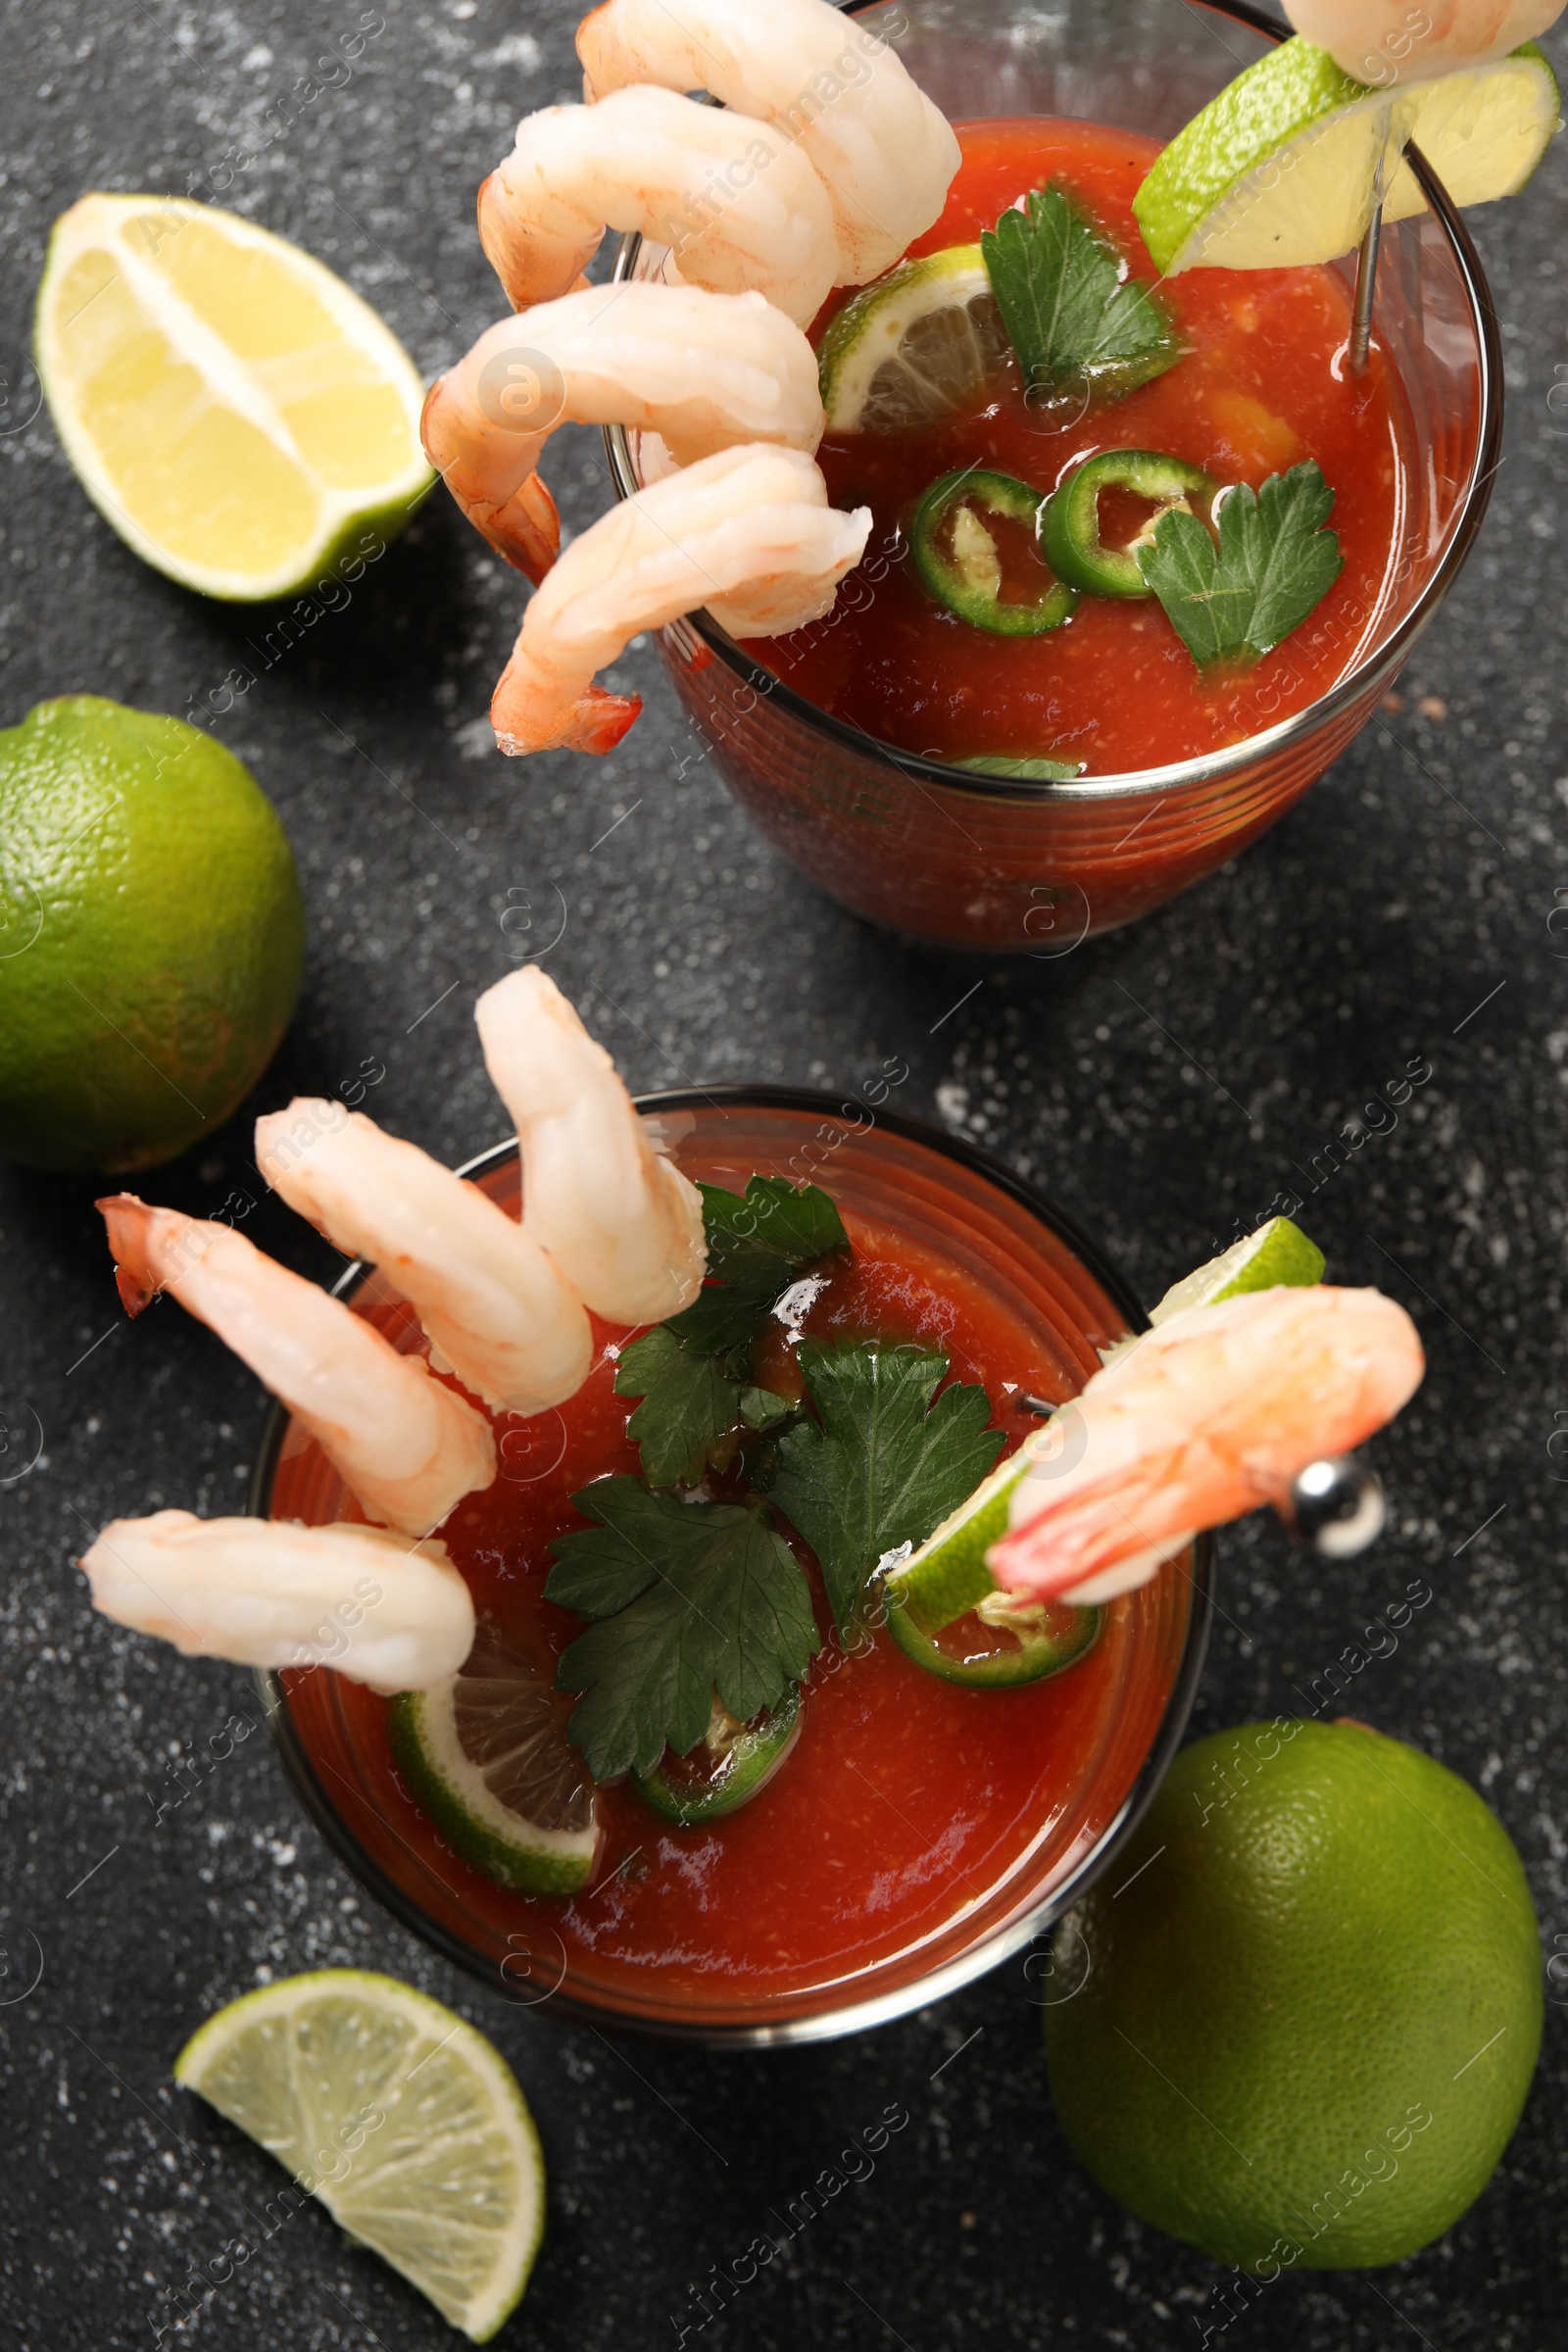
(729, 1765)
(486, 1755)
(924, 342)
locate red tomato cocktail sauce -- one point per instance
(1261, 387)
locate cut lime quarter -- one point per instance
(399, 2116)
(486, 1755)
(924, 342)
(1285, 166)
(235, 412)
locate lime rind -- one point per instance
(915, 346)
(353, 526)
(1279, 1253)
(448, 2186)
(448, 1786)
(1285, 166)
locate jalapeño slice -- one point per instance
(1070, 526)
(728, 1766)
(998, 1645)
(959, 561)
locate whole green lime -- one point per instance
(151, 935)
(1309, 2004)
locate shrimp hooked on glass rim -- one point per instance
(883, 152)
(498, 1310)
(747, 534)
(1393, 42)
(394, 1615)
(738, 207)
(624, 1225)
(1201, 1420)
(406, 1445)
(702, 370)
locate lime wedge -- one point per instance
(922, 343)
(1482, 132)
(947, 1576)
(403, 2120)
(486, 1755)
(1285, 166)
(238, 414)
(1277, 1254)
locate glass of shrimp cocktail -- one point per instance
(886, 1835)
(732, 1564)
(998, 739)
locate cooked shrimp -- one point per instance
(749, 535)
(268, 1592)
(704, 370)
(408, 1446)
(1390, 43)
(1211, 1414)
(622, 1224)
(500, 1313)
(881, 149)
(736, 203)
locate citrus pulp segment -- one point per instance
(920, 344)
(234, 411)
(400, 2117)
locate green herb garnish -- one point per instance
(690, 1372)
(884, 1466)
(1080, 325)
(692, 1599)
(1274, 562)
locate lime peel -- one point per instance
(917, 345)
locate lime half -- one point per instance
(486, 1755)
(234, 411)
(947, 1576)
(924, 342)
(403, 2120)
(1285, 166)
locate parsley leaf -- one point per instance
(880, 1468)
(1078, 323)
(687, 1402)
(689, 1372)
(693, 1598)
(756, 1243)
(1274, 563)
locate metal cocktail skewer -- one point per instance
(1366, 278)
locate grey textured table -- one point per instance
(1158, 1083)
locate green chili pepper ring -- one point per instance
(968, 581)
(1070, 524)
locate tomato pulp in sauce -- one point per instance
(905, 1800)
(1261, 386)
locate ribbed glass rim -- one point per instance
(1212, 767)
(700, 2024)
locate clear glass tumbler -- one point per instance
(972, 862)
(1114, 1737)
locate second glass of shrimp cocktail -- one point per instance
(1007, 731)
(753, 1588)
(888, 1811)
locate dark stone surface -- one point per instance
(1158, 1083)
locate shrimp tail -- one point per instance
(532, 266)
(533, 710)
(139, 1274)
(521, 524)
